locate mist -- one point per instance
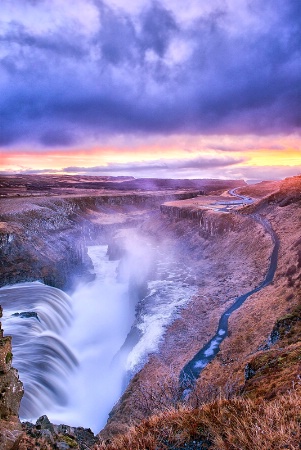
(76, 354)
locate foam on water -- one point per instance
(64, 354)
(167, 296)
(43, 359)
(66, 349)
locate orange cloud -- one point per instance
(287, 157)
(256, 152)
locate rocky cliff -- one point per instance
(45, 238)
(11, 392)
(231, 253)
(211, 223)
(214, 246)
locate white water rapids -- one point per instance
(65, 348)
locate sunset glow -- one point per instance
(173, 93)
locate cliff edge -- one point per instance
(11, 392)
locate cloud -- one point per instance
(57, 138)
(263, 173)
(28, 172)
(195, 168)
(37, 171)
(116, 38)
(238, 73)
(158, 26)
(61, 43)
(200, 162)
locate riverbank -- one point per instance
(238, 253)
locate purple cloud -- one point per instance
(128, 74)
(200, 162)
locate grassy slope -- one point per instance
(264, 411)
(237, 424)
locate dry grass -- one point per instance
(270, 417)
(246, 425)
(161, 431)
(260, 190)
(236, 424)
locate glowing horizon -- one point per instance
(232, 156)
(188, 92)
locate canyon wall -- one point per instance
(261, 355)
(45, 238)
(229, 254)
(214, 247)
(11, 392)
(211, 222)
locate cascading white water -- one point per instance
(35, 315)
(171, 289)
(102, 319)
(64, 347)
(69, 351)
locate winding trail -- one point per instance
(195, 366)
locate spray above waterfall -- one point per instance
(75, 354)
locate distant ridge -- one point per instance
(40, 183)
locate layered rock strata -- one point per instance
(45, 238)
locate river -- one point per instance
(207, 353)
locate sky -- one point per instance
(169, 89)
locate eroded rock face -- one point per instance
(46, 435)
(33, 251)
(10, 434)
(211, 223)
(11, 392)
(45, 238)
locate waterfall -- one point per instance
(35, 316)
(75, 354)
(102, 320)
(64, 347)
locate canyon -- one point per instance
(185, 239)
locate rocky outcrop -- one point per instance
(45, 238)
(211, 223)
(179, 212)
(29, 254)
(46, 435)
(11, 392)
(289, 192)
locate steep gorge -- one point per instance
(259, 356)
(216, 247)
(45, 238)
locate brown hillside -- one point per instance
(231, 263)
